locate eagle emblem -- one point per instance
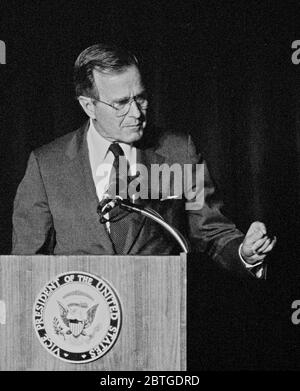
(77, 317)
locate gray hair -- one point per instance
(102, 58)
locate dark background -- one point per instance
(221, 70)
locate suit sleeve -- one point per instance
(32, 221)
(209, 230)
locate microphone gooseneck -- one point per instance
(107, 204)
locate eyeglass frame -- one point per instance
(130, 100)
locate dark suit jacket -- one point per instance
(55, 209)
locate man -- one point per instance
(55, 209)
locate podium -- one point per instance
(152, 295)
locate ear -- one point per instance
(88, 106)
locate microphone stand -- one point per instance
(157, 218)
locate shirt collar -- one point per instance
(102, 144)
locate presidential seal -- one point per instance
(77, 317)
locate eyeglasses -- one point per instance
(122, 108)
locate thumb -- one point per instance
(256, 230)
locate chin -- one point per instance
(134, 136)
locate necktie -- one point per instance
(119, 220)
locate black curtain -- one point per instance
(220, 70)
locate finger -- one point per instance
(259, 227)
(256, 231)
(270, 247)
(261, 248)
(256, 257)
(258, 243)
(254, 236)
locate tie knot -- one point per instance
(116, 150)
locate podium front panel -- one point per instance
(152, 293)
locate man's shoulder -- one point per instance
(159, 138)
(62, 146)
(173, 145)
(55, 145)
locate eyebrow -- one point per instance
(120, 100)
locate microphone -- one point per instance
(110, 200)
(106, 205)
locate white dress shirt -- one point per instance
(101, 159)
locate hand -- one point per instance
(256, 244)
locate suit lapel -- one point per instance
(80, 171)
(145, 157)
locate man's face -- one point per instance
(116, 89)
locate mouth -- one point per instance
(134, 125)
(136, 128)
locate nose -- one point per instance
(134, 110)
